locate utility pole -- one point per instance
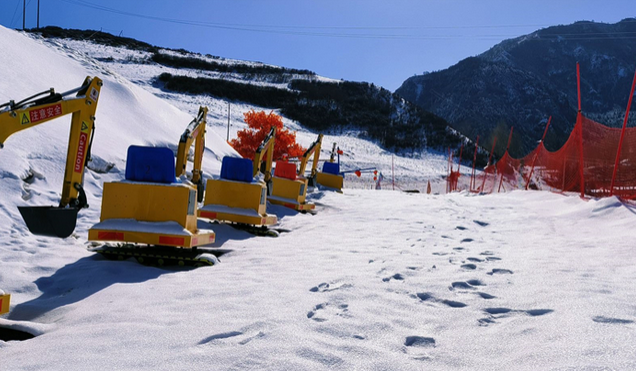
(228, 121)
(38, 14)
(23, 14)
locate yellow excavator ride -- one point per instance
(289, 186)
(238, 198)
(152, 215)
(330, 177)
(193, 134)
(58, 221)
(5, 301)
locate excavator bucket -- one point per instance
(49, 221)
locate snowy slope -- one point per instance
(374, 281)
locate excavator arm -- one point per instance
(193, 134)
(266, 148)
(314, 150)
(50, 220)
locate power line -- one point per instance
(17, 5)
(252, 26)
(301, 30)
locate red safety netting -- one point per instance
(585, 164)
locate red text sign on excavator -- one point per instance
(40, 114)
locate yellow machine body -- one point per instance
(152, 214)
(5, 302)
(327, 180)
(236, 202)
(242, 202)
(290, 193)
(330, 181)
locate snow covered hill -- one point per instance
(376, 280)
(136, 65)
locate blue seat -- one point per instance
(331, 168)
(236, 168)
(150, 164)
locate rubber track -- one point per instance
(158, 255)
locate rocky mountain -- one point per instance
(522, 81)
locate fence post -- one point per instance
(540, 146)
(459, 166)
(579, 123)
(620, 142)
(392, 173)
(472, 176)
(450, 172)
(505, 154)
(483, 183)
(563, 174)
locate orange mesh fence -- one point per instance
(584, 164)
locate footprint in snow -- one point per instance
(427, 296)
(466, 285)
(613, 321)
(500, 271)
(466, 240)
(396, 276)
(326, 287)
(480, 223)
(322, 311)
(418, 347)
(454, 304)
(234, 337)
(461, 286)
(475, 260)
(469, 266)
(486, 296)
(419, 341)
(475, 283)
(461, 228)
(499, 313)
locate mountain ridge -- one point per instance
(520, 82)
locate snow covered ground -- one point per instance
(376, 280)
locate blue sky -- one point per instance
(383, 42)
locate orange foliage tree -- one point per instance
(259, 124)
